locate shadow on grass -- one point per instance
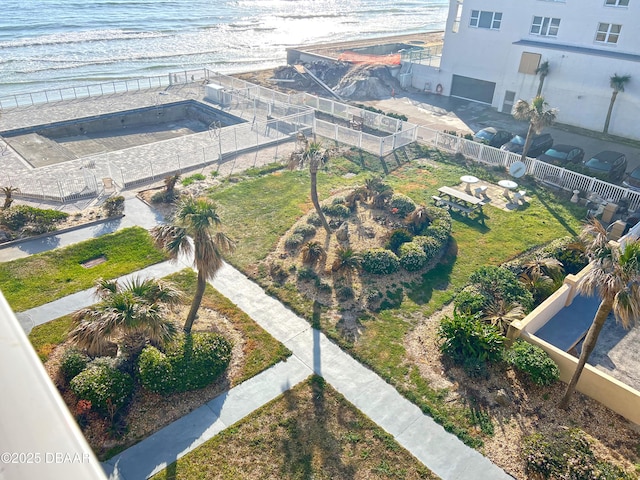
(438, 278)
(543, 201)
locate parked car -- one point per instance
(562, 154)
(607, 165)
(633, 180)
(493, 137)
(539, 144)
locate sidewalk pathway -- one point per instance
(440, 451)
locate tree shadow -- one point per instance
(438, 278)
(556, 215)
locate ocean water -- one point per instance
(48, 44)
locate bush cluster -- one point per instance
(72, 363)
(305, 230)
(338, 210)
(412, 257)
(113, 206)
(188, 363)
(498, 283)
(401, 204)
(465, 337)
(107, 388)
(40, 220)
(533, 361)
(314, 219)
(380, 261)
(397, 238)
(294, 241)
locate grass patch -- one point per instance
(38, 279)
(196, 177)
(310, 431)
(47, 336)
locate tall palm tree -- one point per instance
(196, 218)
(617, 83)
(131, 313)
(313, 155)
(615, 277)
(538, 116)
(542, 71)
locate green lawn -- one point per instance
(257, 211)
(38, 279)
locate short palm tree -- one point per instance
(8, 195)
(538, 116)
(312, 252)
(315, 156)
(196, 219)
(501, 313)
(346, 259)
(542, 71)
(170, 184)
(615, 277)
(617, 83)
(130, 313)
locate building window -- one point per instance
(608, 32)
(545, 26)
(617, 3)
(482, 19)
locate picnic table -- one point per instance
(456, 200)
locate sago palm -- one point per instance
(195, 229)
(134, 310)
(614, 276)
(538, 116)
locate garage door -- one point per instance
(472, 89)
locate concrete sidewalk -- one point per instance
(442, 452)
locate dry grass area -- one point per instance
(525, 410)
(310, 431)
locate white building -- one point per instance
(492, 50)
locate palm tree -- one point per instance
(346, 259)
(312, 252)
(538, 117)
(501, 313)
(8, 192)
(198, 219)
(617, 83)
(315, 156)
(130, 313)
(615, 277)
(542, 71)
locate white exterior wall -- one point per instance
(579, 67)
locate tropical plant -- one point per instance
(378, 191)
(542, 71)
(346, 259)
(533, 361)
(464, 337)
(501, 313)
(196, 218)
(541, 275)
(538, 116)
(170, 184)
(419, 219)
(131, 313)
(617, 83)
(313, 155)
(312, 252)
(8, 195)
(615, 277)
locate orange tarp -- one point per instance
(353, 57)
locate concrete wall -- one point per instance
(594, 383)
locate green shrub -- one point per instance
(338, 201)
(164, 197)
(336, 210)
(567, 453)
(307, 273)
(314, 219)
(412, 257)
(533, 361)
(469, 301)
(41, 220)
(105, 387)
(192, 178)
(344, 293)
(497, 283)
(431, 246)
(188, 363)
(72, 363)
(397, 238)
(294, 241)
(401, 204)
(305, 230)
(113, 206)
(464, 337)
(380, 261)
